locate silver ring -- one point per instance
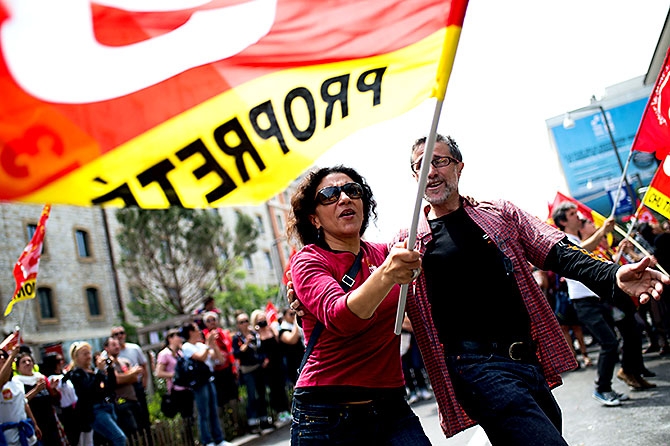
(415, 273)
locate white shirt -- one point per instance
(577, 290)
(188, 349)
(13, 409)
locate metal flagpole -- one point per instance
(423, 179)
(621, 181)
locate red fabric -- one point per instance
(225, 344)
(523, 238)
(653, 135)
(271, 313)
(350, 351)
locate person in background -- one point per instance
(208, 305)
(182, 397)
(632, 363)
(41, 399)
(352, 381)
(273, 365)
(17, 422)
(95, 395)
(135, 356)
(292, 342)
(52, 367)
(246, 347)
(205, 395)
(225, 373)
(127, 404)
(412, 365)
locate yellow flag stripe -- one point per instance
(245, 145)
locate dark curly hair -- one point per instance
(303, 204)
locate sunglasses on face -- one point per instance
(118, 333)
(329, 195)
(437, 162)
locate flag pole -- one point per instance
(423, 179)
(621, 181)
(449, 46)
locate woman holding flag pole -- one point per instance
(351, 387)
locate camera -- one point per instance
(108, 361)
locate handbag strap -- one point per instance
(348, 280)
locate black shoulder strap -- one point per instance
(348, 280)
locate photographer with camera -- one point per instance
(127, 404)
(95, 396)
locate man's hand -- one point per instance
(640, 281)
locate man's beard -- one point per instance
(449, 190)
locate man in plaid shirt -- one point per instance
(491, 344)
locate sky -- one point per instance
(518, 63)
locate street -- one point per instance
(642, 420)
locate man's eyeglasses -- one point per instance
(118, 333)
(437, 162)
(243, 321)
(329, 195)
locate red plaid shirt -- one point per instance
(523, 238)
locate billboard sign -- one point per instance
(588, 159)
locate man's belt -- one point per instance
(517, 350)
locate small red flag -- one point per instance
(25, 270)
(657, 197)
(653, 135)
(271, 313)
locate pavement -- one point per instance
(642, 420)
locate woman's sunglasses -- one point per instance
(329, 195)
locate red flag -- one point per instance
(284, 278)
(583, 209)
(221, 103)
(271, 313)
(653, 135)
(25, 270)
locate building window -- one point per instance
(268, 259)
(30, 230)
(45, 299)
(280, 222)
(260, 225)
(248, 264)
(83, 245)
(93, 301)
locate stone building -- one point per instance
(81, 292)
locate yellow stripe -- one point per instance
(409, 77)
(451, 39)
(658, 201)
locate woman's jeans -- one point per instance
(510, 399)
(208, 414)
(385, 422)
(104, 423)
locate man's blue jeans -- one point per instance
(386, 422)
(104, 423)
(208, 414)
(511, 400)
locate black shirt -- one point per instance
(471, 286)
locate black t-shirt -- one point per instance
(471, 285)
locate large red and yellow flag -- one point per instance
(653, 135)
(25, 269)
(202, 103)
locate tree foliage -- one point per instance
(175, 257)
